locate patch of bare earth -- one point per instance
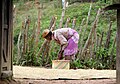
(97, 81)
(7, 81)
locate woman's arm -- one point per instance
(63, 43)
(60, 54)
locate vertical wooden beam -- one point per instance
(11, 32)
(118, 49)
(10, 37)
(7, 72)
(0, 36)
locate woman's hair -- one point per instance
(49, 34)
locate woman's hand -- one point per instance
(60, 55)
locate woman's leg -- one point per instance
(71, 58)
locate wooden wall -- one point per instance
(6, 38)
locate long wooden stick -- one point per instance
(26, 32)
(47, 46)
(45, 41)
(111, 54)
(18, 43)
(101, 39)
(91, 32)
(67, 22)
(84, 32)
(108, 36)
(63, 14)
(74, 23)
(88, 17)
(52, 21)
(25, 37)
(80, 35)
(38, 27)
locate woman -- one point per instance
(68, 40)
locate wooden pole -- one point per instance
(63, 14)
(108, 36)
(91, 32)
(118, 49)
(0, 37)
(18, 43)
(74, 23)
(67, 22)
(11, 34)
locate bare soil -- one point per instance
(37, 75)
(51, 74)
(102, 81)
(33, 81)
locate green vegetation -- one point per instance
(103, 58)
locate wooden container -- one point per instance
(60, 64)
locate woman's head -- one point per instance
(47, 34)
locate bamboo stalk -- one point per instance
(91, 32)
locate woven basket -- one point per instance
(60, 64)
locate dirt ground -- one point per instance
(102, 81)
(51, 74)
(33, 81)
(37, 75)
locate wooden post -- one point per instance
(6, 23)
(0, 36)
(11, 34)
(118, 49)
